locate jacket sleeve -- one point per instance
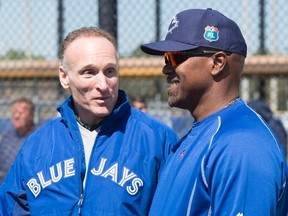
(13, 197)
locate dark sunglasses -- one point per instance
(176, 58)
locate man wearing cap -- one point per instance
(230, 163)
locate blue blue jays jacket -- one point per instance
(127, 157)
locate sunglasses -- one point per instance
(176, 58)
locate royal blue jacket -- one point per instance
(126, 160)
(228, 164)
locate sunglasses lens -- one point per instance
(169, 59)
(174, 58)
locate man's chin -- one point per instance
(172, 102)
(102, 112)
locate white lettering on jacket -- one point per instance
(112, 172)
(43, 182)
(64, 169)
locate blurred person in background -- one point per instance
(139, 103)
(230, 162)
(11, 141)
(275, 124)
(101, 156)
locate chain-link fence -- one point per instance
(31, 31)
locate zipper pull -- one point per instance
(80, 202)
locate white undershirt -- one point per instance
(88, 138)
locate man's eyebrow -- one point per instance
(95, 66)
(89, 67)
(112, 64)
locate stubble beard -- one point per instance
(172, 101)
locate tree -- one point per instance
(18, 55)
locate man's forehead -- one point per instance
(94, 40)
(90, 46)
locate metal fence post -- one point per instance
(60, 25)
(108, 16)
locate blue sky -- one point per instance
(31, 25)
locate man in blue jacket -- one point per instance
(101, 157)
(230, 162)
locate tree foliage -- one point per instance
(18, 55)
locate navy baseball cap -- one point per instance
(195, 28)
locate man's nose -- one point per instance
(168, 69)
(101, 82)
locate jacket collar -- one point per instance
(66, 109)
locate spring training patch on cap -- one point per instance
(211, 33)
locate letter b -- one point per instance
(34, 187)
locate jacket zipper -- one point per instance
(80, 202)
(81, 199)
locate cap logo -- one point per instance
(211, 33)
(174, 24)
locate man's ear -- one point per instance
(219, 62)
(63, 77)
